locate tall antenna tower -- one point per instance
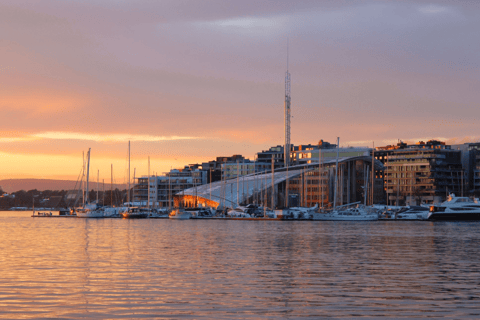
(287, 116)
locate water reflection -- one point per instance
(113, 268)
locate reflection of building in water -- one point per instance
(305, 188)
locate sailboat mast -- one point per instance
(336, 176)
(83, 181)
(98, 183)
(373, 172)
(148, 187)
(128, 194)
(133, 191)
(111, 184)
(88, 172)
(273, 183)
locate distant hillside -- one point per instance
(13, 185)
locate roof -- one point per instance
(253, 183)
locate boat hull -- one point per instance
(454, 216)
(91, 214)
(346, 218)
(127, 215)
(180, 216)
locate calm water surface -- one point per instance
(76, 268)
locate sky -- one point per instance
(188, 81)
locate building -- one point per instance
(163, 188)
(214, 167)
(277, 153)
(303, 185)
(420, 173)
(231, 170)
(471, 166)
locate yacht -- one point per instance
(135, 213)
(179, 213)
(296, 213)
(86, 212)
(404, 213)
(359, 213)
(455, 208)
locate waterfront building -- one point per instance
(277, 153)
(308, 184)
(215, 169)
(420, 173)
(304, 154)
(231, 170)
(163, 188)
(471, 166)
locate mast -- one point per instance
(98, 184)
(238, 182)
(148, 186)
(133, 191)
(287, 116)
(373, 172)
(273, 183)
(320, 184)
(336, 176)
(111, 184)
(243, 182)
(88, 172)
(169, 190)
(83, 181)
(128, 194)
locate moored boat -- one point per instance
(135, 213)
(179, 213)
(359, 213)
(455, 208)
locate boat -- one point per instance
(179, 213)
(132, 212)
(158, 214)
(404, 213)
(135, 213)
(455, 208)
(358, 213)
(88, 210)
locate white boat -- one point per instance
(86, 212)
(113, 212)
(404, 213)
(179, 213)
(455, 208)
(296, 213)
(359, 213)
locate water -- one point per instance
(75, 268)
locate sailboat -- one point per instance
(89, 210)
(132, 212)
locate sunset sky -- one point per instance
(187, 81)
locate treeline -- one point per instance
(58, 199)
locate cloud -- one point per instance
(432, 9)
(385, 142)
(114, 137)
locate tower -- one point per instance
(287, 116)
